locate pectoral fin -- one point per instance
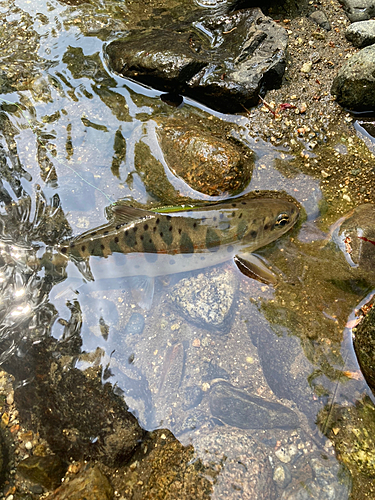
(252, 267)
(142, 288)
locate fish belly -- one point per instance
(120, 265)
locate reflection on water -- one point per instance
(239, 369)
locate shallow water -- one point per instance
(73, 136)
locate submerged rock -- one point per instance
(224, 61)
(244, 465)
(240, 409)
(364, 346)
(320, 18)
(206, 299)
(90, 484)
(354, 86)
(207, 163)
(361, 34)
(46, 471)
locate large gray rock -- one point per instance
(361, 34)
(359, 10)
(354, 86)
(224, 61)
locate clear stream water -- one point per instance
(70, 132)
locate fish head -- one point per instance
(268, 219)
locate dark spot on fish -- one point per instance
(161, 235)
(135, 229)
(234, 205)
(130, 239)
(170, 228)
(203, 219)
(118, 226)
(126, 233)
(212, 240)
(240, 215)
(113, 245)
(194, 225)
(93, 234)
(172, 262)
(154, 228)
(186, 245)
(72, 245)
(169, 217)
(253, 234)
(180, 231)
(145, 227)
(102, 246)
(150, 250)
(157, 221)
(64, 250)
(142, 237)
(230, 249)
(203, 258)
(215, 219)
(83, 248)
(266, 227)
(221, 216)
(105, 233)
(243, 202)
(233, 214)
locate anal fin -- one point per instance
(142, 288)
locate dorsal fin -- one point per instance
(126, 213)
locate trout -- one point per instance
(155, 243)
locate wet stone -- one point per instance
(207, 299)
(135, 325)
(359, 10)
(246, 57)
(240, 409)
(320, 18)
(354, 85)
(46, 471)
(90, 484)
(326, 479)
(364, 346)
(282, 476)
(164, 469)
(209, 164)
(361, 34)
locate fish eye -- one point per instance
(282, 220)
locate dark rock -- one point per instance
(359, 10)
(207, 299)
(209, 164)
(364, 346)
(354, 86)
(192, 397)
(320, 18)
(90, 484)
(75, 413)
(288, 372)
(46, 471)
(239, 409)
(361, 34)
(224, 61)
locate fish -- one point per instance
(139, 242)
